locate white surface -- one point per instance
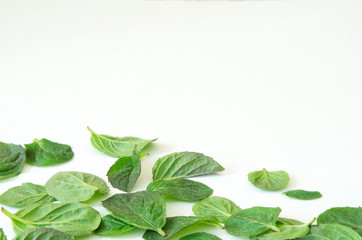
(254, 84)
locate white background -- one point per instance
(254, 84)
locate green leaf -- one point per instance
(74, 186)
(118, 146)
(124, 173)
(12, 158)
(110, 225)
(253, 221)
(287, 232)
(44, 152)
(348, 216)
(43, 234)
(25, 195)
(200, 236)
(184, 164)
(287, 221)
(332, 232)
(218, 207)
(76, 219)
(2, 235)
(264, 179)
(182, 189)
(175, 225)
(144, 209)
(303, 195)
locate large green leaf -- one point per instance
(200, 236)
(124, 173)
(144, 209)
(44, 152)
(118, 146)
(12, 158)
(2, 235)
(303, 194)
(217, 207)
(184, 164)
(175, 225)
(76, 219)
(348, 216)
(253, 221)
(110, 225)
(332, 232)
(43, 234)
(264, 179)
(25, 195)
(74, 186)
(183, 189)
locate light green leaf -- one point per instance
(264, 179)
(110, 225)
(253, 221)
(124, 173)
(287, 221)
(2, 235)
(74, 186)
(25, 195)
(200, 236)
(303, 195)
(182, 189)
(118, 146)
(73, 218)
(184, 164)
(12, 158)
(144, 209)
(348, 216)
(43, 234)
(218, 207)
(44, 152)
(331, 232)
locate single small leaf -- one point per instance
(287, 221)
(253, 221)
(144, 209)
(74, 186)
(200, 236)
(184, 164)
(24, 195)
(303, 195)
(2, 235)
(43, 234)
(331, 232)
(348, 216)
(76, 219)
(264, 179)
(12, 158)
(175, 225)
(110, 225)
(118, 146)
(218, 207)
(124, 173)
(44, 152)
(183, 189)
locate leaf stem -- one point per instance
(13, 216)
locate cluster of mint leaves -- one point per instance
(57, 209)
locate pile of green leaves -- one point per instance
(58, 210)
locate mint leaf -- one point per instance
(332, 232)
(200, 236)
(43, 234)
(12, 158)
(303, 195)
(264, 179)
(111, 225)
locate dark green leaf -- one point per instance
(184, 164)
(25, 195)
(253, 221)
(348, 216)
(303, 195)
(44, 152)
(110, 225)
(145, 209)
(124, 173)
(332, 232)
(200, 236)
(74, 186)
(175, 225)
(43, 234)
(118, 146)
(12, 158)
(182, 189)
(287, 221)
(217, 207)
(2, 235)
(264, 179)
(73, 218)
